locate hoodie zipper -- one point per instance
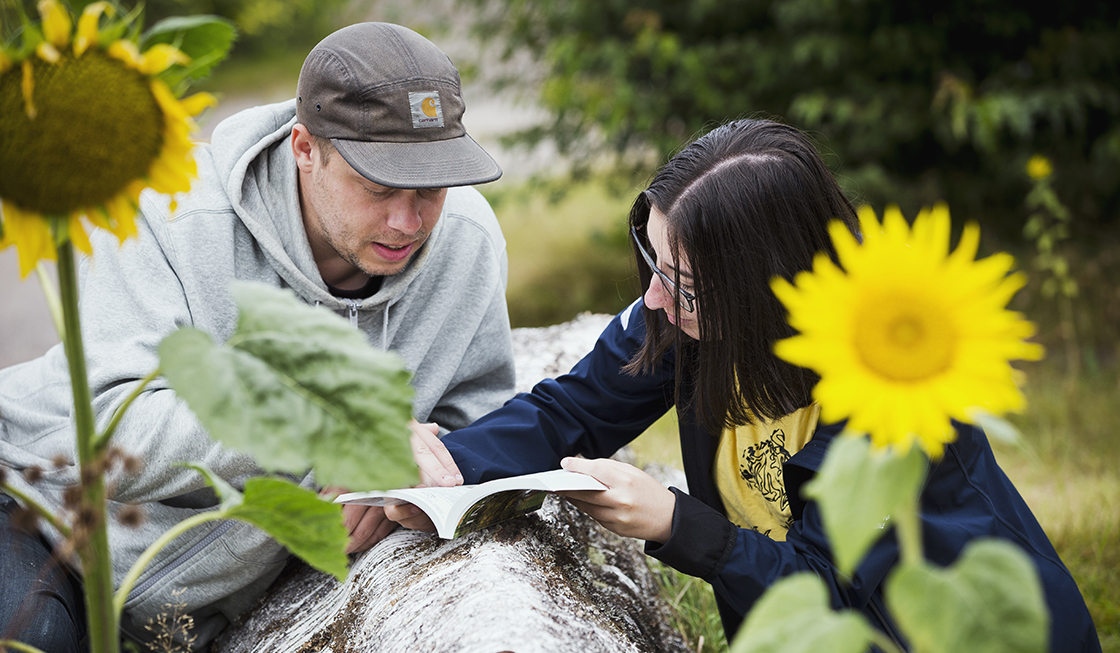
(178, 562)
(353, 306)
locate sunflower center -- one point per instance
(904, 338)
(97, 128)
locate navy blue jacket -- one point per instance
(596, 409)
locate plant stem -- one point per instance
(91, 526)
(51, 295)
(18, 646)
(107, 434)
(39, 509)
(154, 548)
(909, 528)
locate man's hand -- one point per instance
(366, 525)
(634, 505)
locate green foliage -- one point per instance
(205, 39)
(794, 617)
(915, 102)
(294, 386)
(990, 600)
(692, 605)
(859, 492)
(267, 26)
(306, 525)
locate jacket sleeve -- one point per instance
(131, 298)
(741, 563)
(593, 410)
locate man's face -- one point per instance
(358, 228)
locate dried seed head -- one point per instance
(92, 472)
(33, 474)
(72, 496)
(87, 519)
(131, 516)
(132, 464)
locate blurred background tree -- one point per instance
(916, 101)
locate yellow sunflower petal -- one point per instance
(868, 223)
(56, 22)
(77, 233)
(198, 103)
(47, 52)
(160, 57)
(30, 233)
(127, 52)
(87, 25)
(28, 88)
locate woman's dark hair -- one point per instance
(747, 202)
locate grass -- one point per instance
(567, 254)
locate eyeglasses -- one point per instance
(686, 300)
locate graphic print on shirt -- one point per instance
(761, 468)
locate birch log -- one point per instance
(549, 581)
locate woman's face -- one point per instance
(657, 295)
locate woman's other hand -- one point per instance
(634, 505)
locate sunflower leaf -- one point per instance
(306, 525)
(794, 616)
(989, 600)
(205, 39)
(298, 387)
(858, 490)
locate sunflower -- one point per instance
(87, 124)
(906, 335)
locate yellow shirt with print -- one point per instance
(748, 470)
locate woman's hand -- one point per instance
(634, 505)
(437, 469)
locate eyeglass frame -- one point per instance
(685, 299)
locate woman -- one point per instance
(747, 202)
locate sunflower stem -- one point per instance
(90, 534)
(50, 292)
(910, 534)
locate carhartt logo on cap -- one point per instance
(426, 111)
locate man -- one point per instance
(355, 196)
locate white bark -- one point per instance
(550, 581)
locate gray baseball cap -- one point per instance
(390, 102)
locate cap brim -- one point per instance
(429, 164)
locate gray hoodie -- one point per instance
(445, 314)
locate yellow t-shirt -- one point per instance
(748, 470)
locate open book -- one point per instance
(463, 509)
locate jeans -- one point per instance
(41, 602)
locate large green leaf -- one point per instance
(205, 39)
(794, 616)
(990, 600)
(858, 490)
(306, 525)
(298, 387)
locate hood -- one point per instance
(254, 163)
